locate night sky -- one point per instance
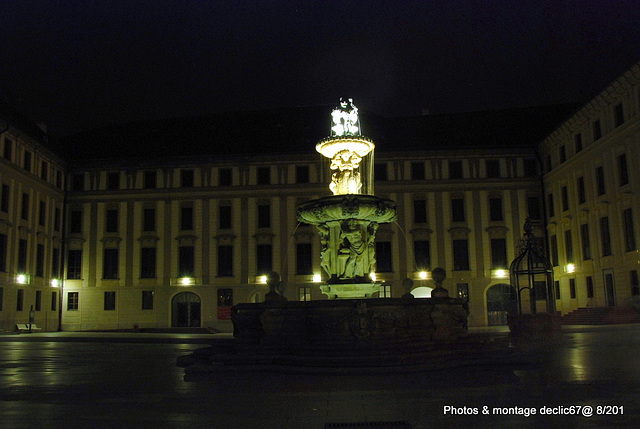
(82, 64)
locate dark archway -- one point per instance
(501, 300)
(185, 310)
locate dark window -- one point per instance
(549, 164)
(264, 216)
(44, 170)
(40, 260)
(111, 224)
(556, 285)
(149, 220)
(586, 241)
(635, 284)
(533, 208)
(303, 259)
(150, 179)
(302, 174)
(419, 211)
(499, 253)
(8, 149)
(495, 209)
(493, 168)
(605, 237)
(565, 198)
(77, 182)
(22, 256)
(59, 179)
(110, 266)
(460, 255)
(623, 172)
(422, 254)
(109, 300)
(113, 181)
(600, 180)
(417, 171)
(589, 284)
(618, 114)
(73, 300)
(148, 262)
(264, 259)
(3, 252)
(225, 177)
(186, 218)
(27, 160)
(563, 154)
(4, 201)
(455, 170)
(147, 299)
(225, 217)
(225, 261)
(629, 231)
(530, 168)
(304, 293)
(568, 245)
(380, 172)
(264, 175)
(42, 213)
(457, 210)
(56, 219)
(54, 301)
(24, 214)
(554, 251)
(540, 290)
(1, 298)
(75, 222)
(582, 195)
(186, 178)
(225, 298)
(384, 262)
(74, 264)
(55, 262)
(597, 130)
(38, 306)
(572, 288)
(186, 261)
(577, 139)
(552, 212)
(20, 300)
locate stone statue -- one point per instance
(345, 119)
(347, 179)
(354, 245)
(407, 285)
(438, 275)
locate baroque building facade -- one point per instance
(175, 241)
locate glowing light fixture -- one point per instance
(373, 276)
(54, 282)
(571, 268)
(500, 274)
(185, 281)
(262, 279)
(423, 275)
(21, 279)
(317, 278)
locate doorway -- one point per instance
(609, 288)
(185, 310)
(501, 300)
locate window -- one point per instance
(186, 261)
(586, 241)
(44, 170)
(550, 205)
(225, 177)
(56, 219)
(600, 180)
(3, 252)
(572, 288)
(109, 300)
(20, 300)
(568, 245)
(40, 260)
(110, 264)
(420, 211)
(55, 262)
(303, 259)
(384, 262)
(540, 289)
(495, 209)
(77, 182)
(597, 130)
(264, 175)
(54, 301)
(74, 264)
(111, 224)
(225, 261)
(147, 299)
(149, 179)
(499, 253)
(149, 220)
(565, 198)
(42, 213)
(75, 222)
(225, 217)
(24, 213)
(264, 216)
(417, 171)
(148, 262)
(385, 291)
(629, 231)
(4, 199)
(302, 174)
(577, 140)
(8, 149)
(493, 168)
(304, 293)
(186, 178)
(27, 161)
(455, 169)
(618, 114)
(563, 154)
(589, 286)
(548, 164)
(264, 259)
(533, 208)
(1, 298)
(59, 179)
(73, 300)
(623, 172)
(530, 168)
(422, 255)
(22, 256)
(582, 195)
(635, 285)
(460, 255)
(380, 172)
(554, 251)
(113, 181)
(556, 285)
(457, 210)
(38, 304)
(186, 218)
(605, 237)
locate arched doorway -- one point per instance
(501, 300)
(185, 310)
(422, 292)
